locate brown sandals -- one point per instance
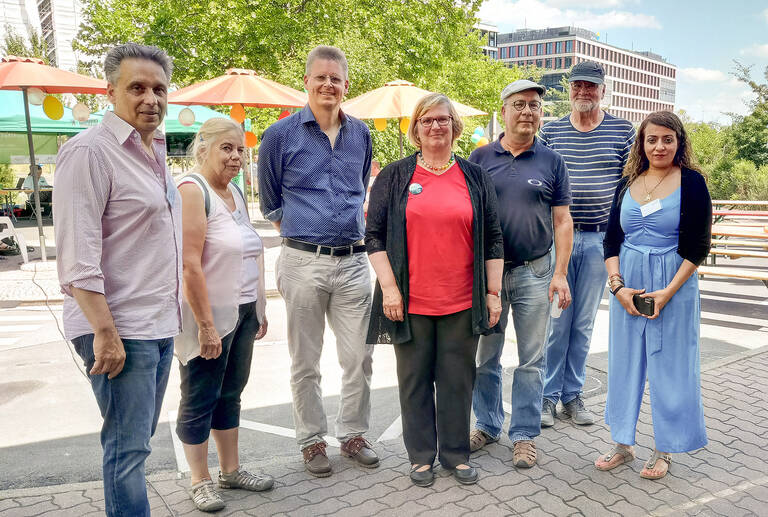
(617, 456)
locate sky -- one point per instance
(701, 37)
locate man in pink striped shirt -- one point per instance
(118, 240)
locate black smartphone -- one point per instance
(644, 305)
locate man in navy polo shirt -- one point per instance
(534, 195)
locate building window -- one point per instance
(569, 46)
(521, 51)
(568, 62)
(539, 49)
(531, 49)
(548, 64)
(503, 52)
(549, 48)
(559, 47)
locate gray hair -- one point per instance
(135, 51)
(209, 133)
(329, 53)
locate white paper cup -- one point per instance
(555, 311)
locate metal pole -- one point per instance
(253, 185)
(33, 171)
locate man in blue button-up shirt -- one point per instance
(313, 175)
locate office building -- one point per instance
(57, 21)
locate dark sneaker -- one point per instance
(316, 461)
(360, 450)
(479, 439)
(241, 478)
(205, 496)
(578, 413)
(547, 413)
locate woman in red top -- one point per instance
(434, 240)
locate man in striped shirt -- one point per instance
(595, 146)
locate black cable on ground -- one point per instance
(85, 374)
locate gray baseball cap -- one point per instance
(587, 71)
(520, 86)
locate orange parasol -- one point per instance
(22, 73)
(396, 99)
(240, 86)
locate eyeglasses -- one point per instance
(520, 105)
(584, 85)
(426, 122)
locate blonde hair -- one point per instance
(425, 104)
(209, 133)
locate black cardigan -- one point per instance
(695, 236)
(386, 231)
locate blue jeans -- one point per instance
(571, 333)
(525, 289)
(130, 405)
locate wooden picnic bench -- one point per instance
(741, 243)
(731, 272)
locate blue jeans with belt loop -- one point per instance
(525, 289)
(570, 335)
(130, 405)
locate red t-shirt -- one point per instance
(440, 246)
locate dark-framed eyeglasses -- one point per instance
(520, 105)
(426, 122)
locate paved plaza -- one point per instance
(50, 454)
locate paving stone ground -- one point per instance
(729, 477)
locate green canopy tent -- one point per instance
(13, 129)
(12, 117)
(178, 136)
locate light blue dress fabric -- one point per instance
(667, 348)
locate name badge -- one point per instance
(170, 191)
(649, 208)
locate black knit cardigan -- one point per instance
(386, 231)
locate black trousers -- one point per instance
(435, 374)
(211, 388)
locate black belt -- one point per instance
(334, 251)
(512, 264)
(590, 227)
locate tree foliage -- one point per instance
(16, 44)
(428, 42)
(749, 134)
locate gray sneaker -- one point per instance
(578, 413)
(547, 413)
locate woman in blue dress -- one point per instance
(659, 231)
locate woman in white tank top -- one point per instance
(223, 312)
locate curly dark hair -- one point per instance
(638, 161)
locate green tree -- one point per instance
(15, 44)
(749, 134)
(558, 103)
(428, 42)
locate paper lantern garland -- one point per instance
(80, 112)
(186, 117)
(35, 96)
(237, 113)
(53, 107)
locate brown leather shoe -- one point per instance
(316, 461)
(524, 454)
(360, 450)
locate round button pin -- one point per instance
(415, 188)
